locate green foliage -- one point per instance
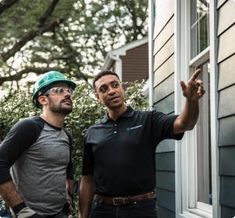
(134, 95)
(17, 106)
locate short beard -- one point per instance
(60, 110)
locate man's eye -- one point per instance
(115, 85)
(60, 90)
(103, 89)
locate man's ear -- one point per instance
(42, 99)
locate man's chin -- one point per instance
(66, 110)
(115, 106)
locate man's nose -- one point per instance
(68, 92)
(111, 90)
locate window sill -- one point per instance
(195, 213)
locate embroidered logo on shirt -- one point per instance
(134, 127)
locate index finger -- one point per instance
(196, 74)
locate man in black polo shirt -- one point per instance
(118, 172)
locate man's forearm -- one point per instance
(9, 194)
(85, 196)
(70, 185)
(190, 113)
(188, 117)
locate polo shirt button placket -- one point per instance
(115, 128)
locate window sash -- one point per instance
(199, 26)
(185, 182)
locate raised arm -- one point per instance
(85, 196)
(192, 90)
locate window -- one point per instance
(203, 143)
(194, 153)
(199, 41)
(199, 23)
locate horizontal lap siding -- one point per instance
(227, 195)
(226, 106)
(227, 212)
(165, 166)
(166, 105)
(163, 212)
(163, 85)
(226, 73)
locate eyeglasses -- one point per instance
(59, 91)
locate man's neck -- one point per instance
(56, 120)
(117, 112)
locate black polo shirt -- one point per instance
(121, 154)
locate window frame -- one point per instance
(186, 181)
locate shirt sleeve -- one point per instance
(88, 159)
(70, 168)
(163, 127)
(18, 139)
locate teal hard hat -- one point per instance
(45, 82)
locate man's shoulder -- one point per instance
(149, 114)
(142, 112)
(29, 127)
(30, 122)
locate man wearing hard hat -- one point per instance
(38, 151)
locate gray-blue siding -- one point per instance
(227, 166)
(165, 184)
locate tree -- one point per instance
(72, 36)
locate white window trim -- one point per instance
(214, 107)
(182, 64)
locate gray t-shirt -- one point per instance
(40, 171)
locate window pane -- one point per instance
(199, 26)
(203, 142)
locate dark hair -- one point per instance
(103, 73)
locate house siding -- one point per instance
(135, 64)
(163, 97)
(165, 185)
(226, 106)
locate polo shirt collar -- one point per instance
(128, 113)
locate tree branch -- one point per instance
(4, 5)
(42, 28)
(47, 13)
(20, 74)
(30, 36)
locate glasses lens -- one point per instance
(59, 90)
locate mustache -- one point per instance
(113, 97)
(67, 98)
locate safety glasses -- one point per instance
(59, 91)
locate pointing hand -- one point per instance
(193, 89)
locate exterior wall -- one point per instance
(226, 107)
(163, 73)
(163, 53)
(135, 64)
